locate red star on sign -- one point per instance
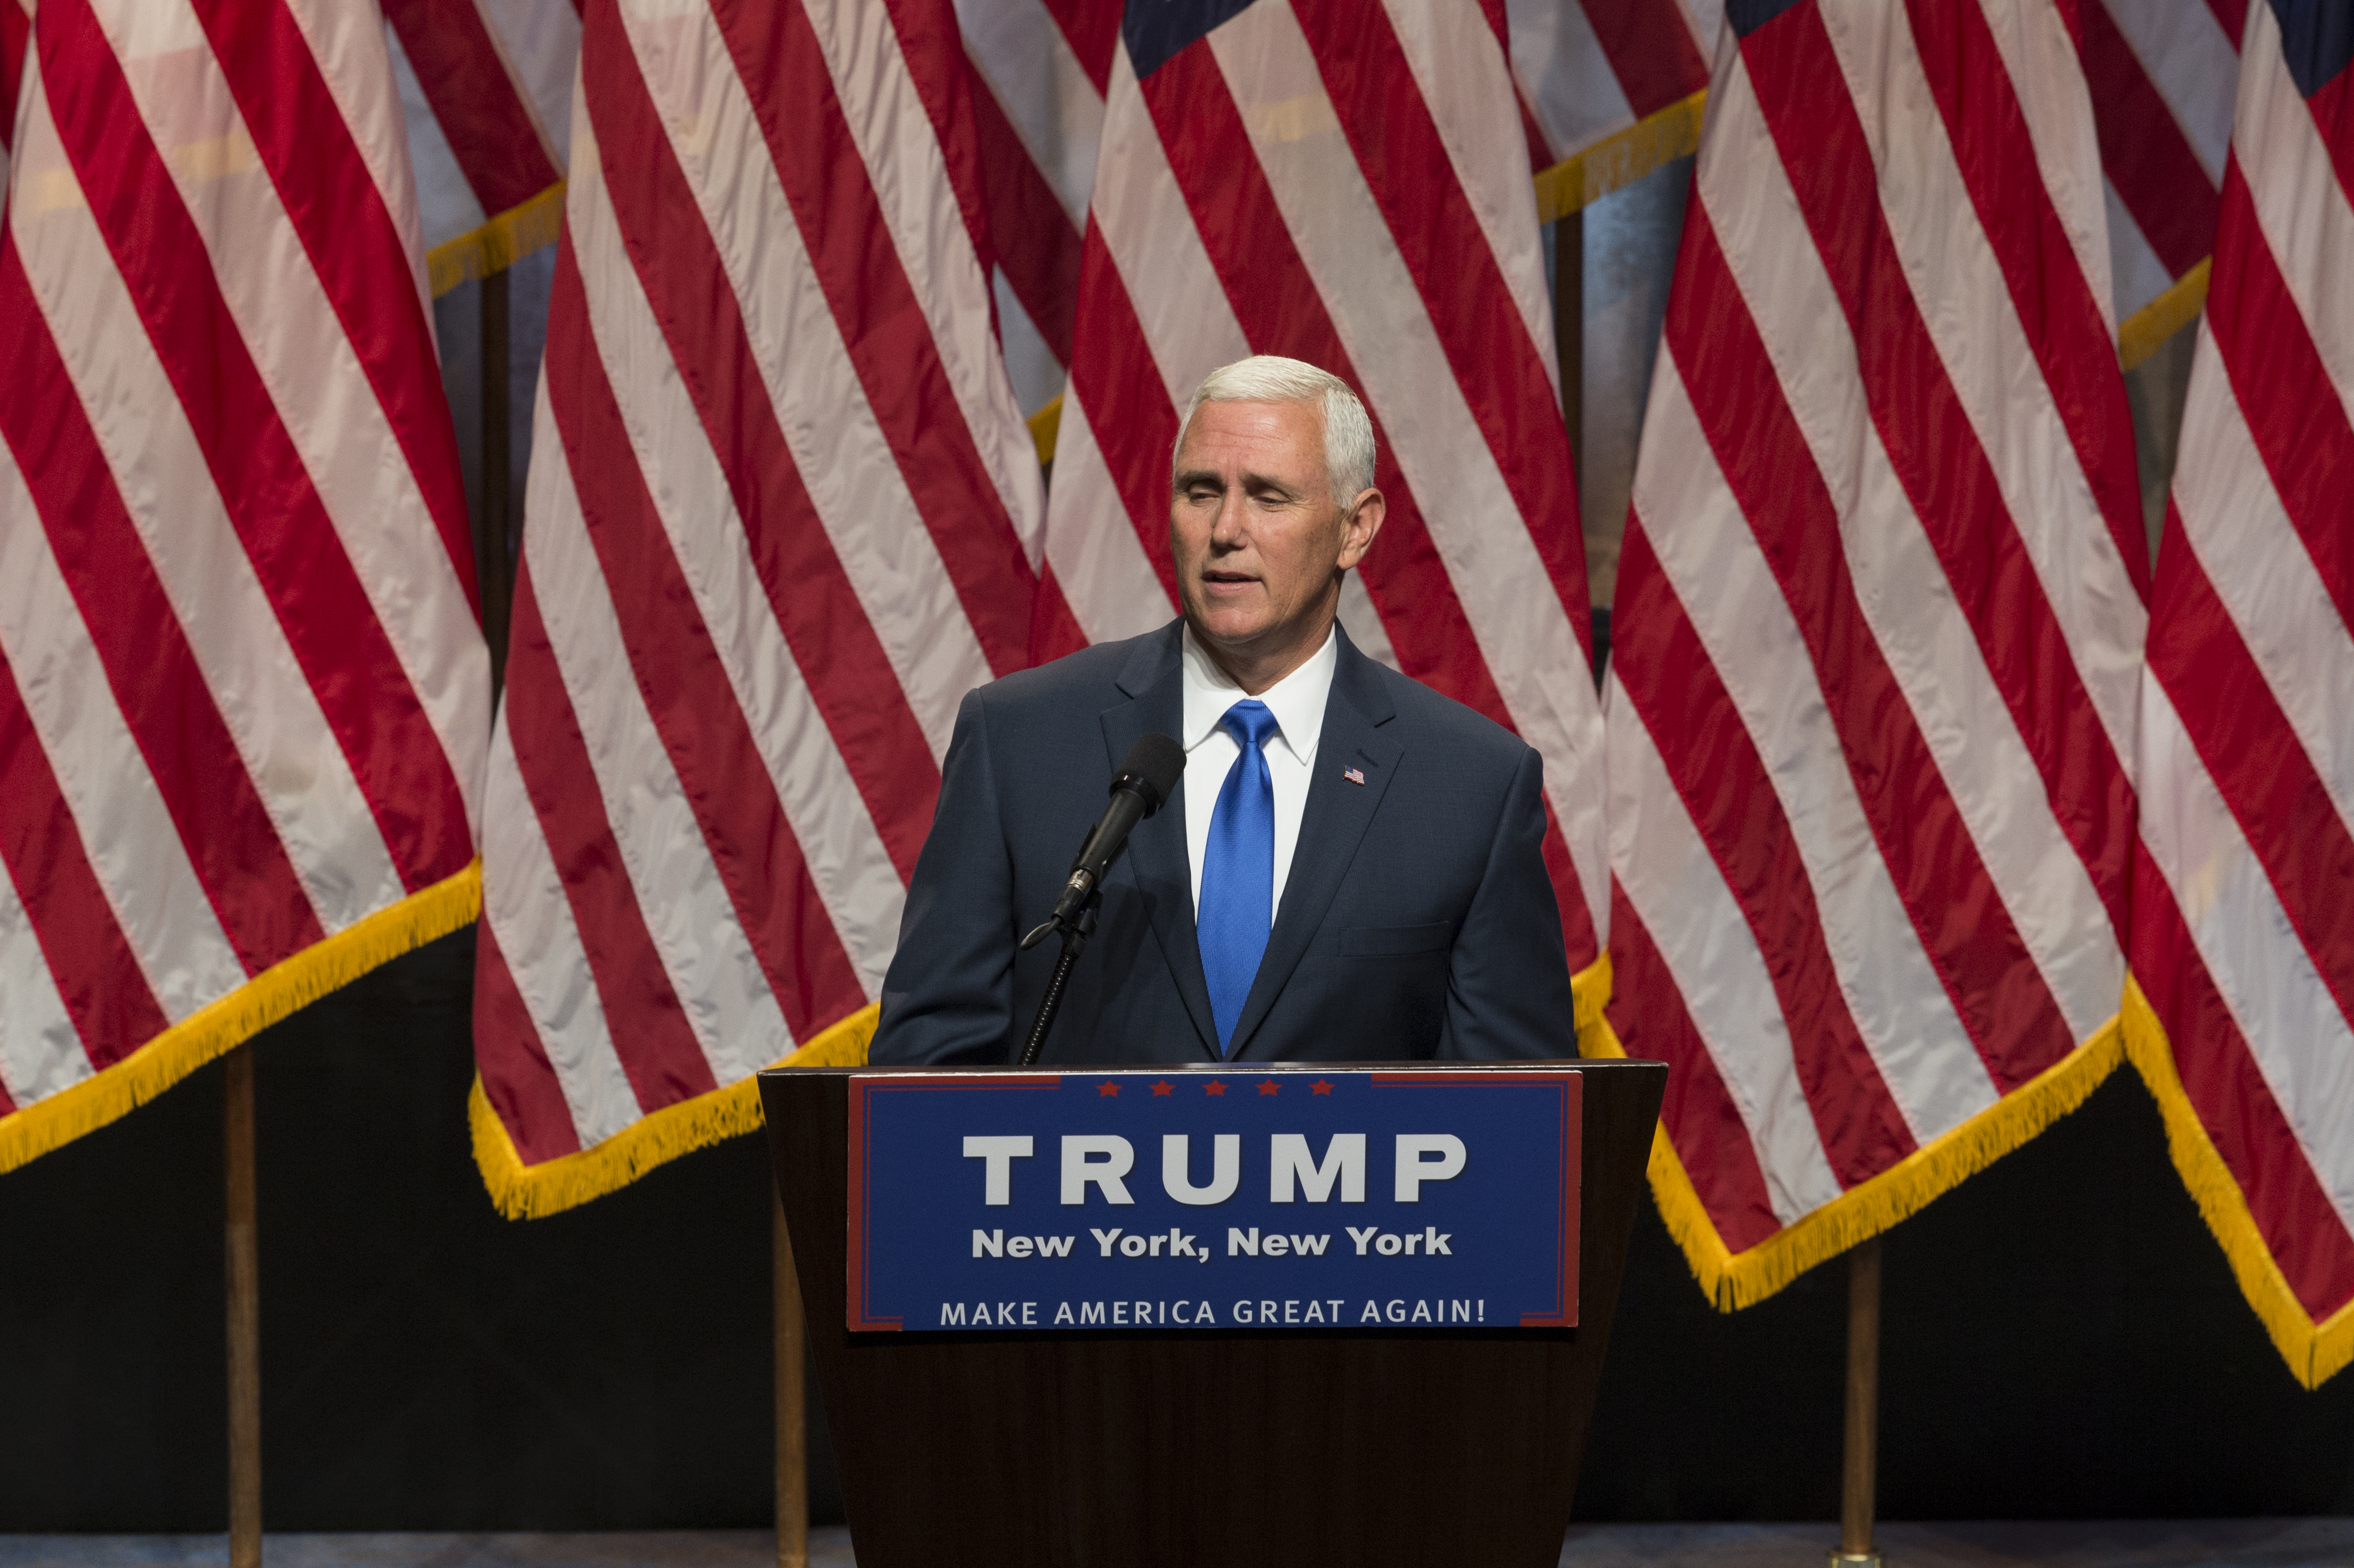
(1269, 1088)
(1323, 1087)
(1109, 1092)
(1215, 1087)
(1161, 1089)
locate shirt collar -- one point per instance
(1297, 701)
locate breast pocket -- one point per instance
(1390, 941)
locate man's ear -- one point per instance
(1364, 520)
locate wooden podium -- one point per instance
(1094, 1449)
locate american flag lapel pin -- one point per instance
(1353, 775)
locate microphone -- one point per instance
(1141, 786)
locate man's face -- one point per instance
(1259, 539)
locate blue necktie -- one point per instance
(1238, 870)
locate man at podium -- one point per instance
(1348, 868)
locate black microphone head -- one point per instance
(1154, 765)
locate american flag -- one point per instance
(1345, 182)
(2243, 892)
(245, 695)
(1609, 89)
(486, 86)
(2161, 74)
(1878, 624)
(782, 515)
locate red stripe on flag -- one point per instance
(679, 673)
(1037, 247)
(932, 50)
(2332, 109)
(478, 106)
(344, 655)
(98, 977)
(660, 1056)
(518, 1079)
(2231, 16)
(1988, 131)
(2283, 391)
(1496, 363)
(2301, 1227)
(333, 203)
(816, 608)
(1665, 671)
(1647, 1012)
(150, 668)
(1118, 388)
(16, 34)
(1092, 30)
(1280, 310)
(1649, 48)
(2283, 808)
(856, 262)
(2144, 152)
(1933, 449)
(1968, 933)
(1052, 636)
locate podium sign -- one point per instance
(1196, 1200)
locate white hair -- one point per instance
(1271, 378)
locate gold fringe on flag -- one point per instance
(220, 1026)
(1732, 1281)
(2313, 1350)
(1621, 158)
(523, 1192)
(499, 243)
(2140, 334)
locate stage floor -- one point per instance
(2112, 1543)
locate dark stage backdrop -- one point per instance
(2061, 1338)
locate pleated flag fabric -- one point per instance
(245, 694)
(487, 88)
(2243, 942)
(2161, 74)
(782, 515)
(1877, 633)
(1609, 90)
(1346, 182)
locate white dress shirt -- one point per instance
(1298, 703)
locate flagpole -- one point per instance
(792, 1442)
(1860, 1479)
(498, 464)
(244, 1314)
(1569, 327)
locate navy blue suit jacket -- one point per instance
(1417, 919)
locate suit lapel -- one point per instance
(1158, 859)
(1331, 827)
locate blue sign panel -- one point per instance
(1432, 1198)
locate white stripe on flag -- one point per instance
(134, 850)
(297, 765)
(524, 905)
(1672, 880)
(1044, 89)
(2300, 1041)
(1893, 991)
(1104, 572)
(2301, 208)
(689, 917)
(845, 856)
(2193, 64)
(844, 458)
(1988, 352)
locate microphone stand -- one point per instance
(1075, 931)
